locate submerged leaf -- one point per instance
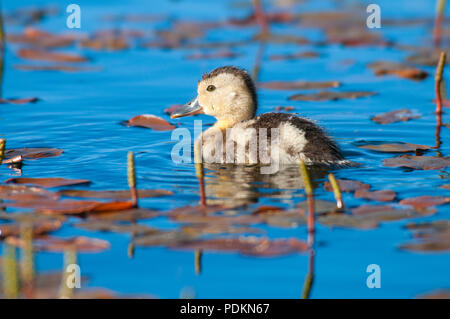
(380, 195)
(150, 121)
(425, 201)
(402, 115)
(418, 162)
(395, 147)
(249, 246)
(298, 85)
(330, 96)
(346, 185)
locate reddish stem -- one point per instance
(310, 220)
(261, 18)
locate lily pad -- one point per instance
(113, 194)
(150, 121)
(395, 147)
(54, 244)
(425, 201)
(379, 195)
(398, 69)
(48, 182)
(33, 153)
(42, 55)
(346, 185)
(418, 162)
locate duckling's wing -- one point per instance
(300, 139)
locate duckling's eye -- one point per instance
(210, 88)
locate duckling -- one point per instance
(228, 94)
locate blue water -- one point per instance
(80, 112)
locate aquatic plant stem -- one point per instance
(198, 261)
(198, 162)
(309, 280)
(261, 17)
(336, 190)
(9, 269)
(131, 173)
(437, 87)
(27, 260)
(437, 30)
(2, 149)
(2, 50)
(310, 201)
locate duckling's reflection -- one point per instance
(244, 184)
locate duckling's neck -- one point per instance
(223, 124)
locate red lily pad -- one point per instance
(418, 162)
(402, 115)
(42, 39)
(150, 121)
(429, 237)
(25, 193)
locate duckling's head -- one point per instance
(227, 93)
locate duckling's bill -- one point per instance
(191, 108)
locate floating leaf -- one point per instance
(47, 182)
(19, 101)
(284, 108)
(132, 214)
(320, 206)
(425, 201)
(33, 153)
(346, 185)
(40, 228)
(113, 226)
(42, 55)
(380, 195)
(249, 246)
(42, 39)
(298, 85)
(431, 237)
(293, 56)
(222, 54)
(437, 294)
(395, 147)
(150, 121)
(53, 244)
(402, 115)
(418, 162)
(116, 195)
(172, 108)
(329, 96)
(55, 67)
(111, 43)
(398, 69)
(25, 193)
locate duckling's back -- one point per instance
(299, 139)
